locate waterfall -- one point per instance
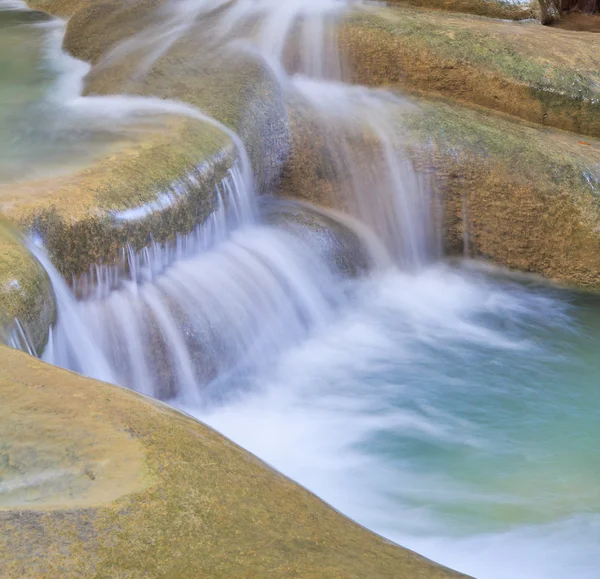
(177, 317)
(178, 320)
(450, 407)
(364, 160)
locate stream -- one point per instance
(447, 404)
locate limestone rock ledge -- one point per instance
(521, 195)
(544, 75)
(98, 481)
(505, 9)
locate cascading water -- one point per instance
(222, 300)
(450, 408)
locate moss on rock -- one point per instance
(151, 189)
(547, 76)
(529, 197)
(506, 9)
(149, 492)
(25, 291)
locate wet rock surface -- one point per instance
(27, 305)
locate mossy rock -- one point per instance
(544, 75)
(26, 296)
(528, 197)
(505, 9)
(149, 190)
(78, 214)
(97, 481)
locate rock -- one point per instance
(333, 236)
(527, 196)
(169, 497)
(151, 189)
(80, 214)
(27, 304)
(544, 75)
(506, 9)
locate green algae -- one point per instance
(518, 194)
(538, 154)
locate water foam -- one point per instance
(394, 416)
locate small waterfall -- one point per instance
(224, 299)
(177, 320)
(269, 27)
(364, 158)
(366, 162)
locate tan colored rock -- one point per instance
(506, 9)
(544, 75)
(99, 481)
(78, 214)
(26, 296)
(528, 196)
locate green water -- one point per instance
(456, 411)
(24, 82)
(45, 129)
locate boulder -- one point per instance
(99, 481)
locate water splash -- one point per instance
(222, 300)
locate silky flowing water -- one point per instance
(38, 132)
(448, 405)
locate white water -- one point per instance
(222, 300)
(453, 410)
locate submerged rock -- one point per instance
(334, 237)
(149, 492)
